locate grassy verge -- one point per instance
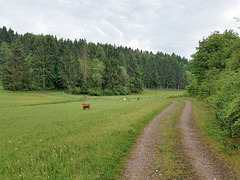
(42, 137)
(172, 163)
(225, 148)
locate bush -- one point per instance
(228, 116)
(95, 92)
(124, 91)
(76, 90)
(108, 92)
(227, 102)
(192, 88)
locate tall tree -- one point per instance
(4, 55)
(70, 69)
(136, 81)
(100, 53)
(85, 61)
(97, 68)
(211, 54)
(45, 62)
(112, 73)
(16, 73)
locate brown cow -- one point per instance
(86, 106)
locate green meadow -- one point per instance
(47, 135)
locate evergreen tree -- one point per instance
(16, 73)
(70, 69)
(85, 61)
(100, 53)
(7, 36)
(112, 74)
(124, 77)
(56, 64)
(97, 69)
(136, 82)
(45, 62)
(4, 55)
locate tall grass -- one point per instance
(228, 149)
(48, 135)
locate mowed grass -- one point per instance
(47, 135)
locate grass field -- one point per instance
(48, 135)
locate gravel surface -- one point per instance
(205, 164)
(141, 162)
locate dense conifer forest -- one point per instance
(43, 62)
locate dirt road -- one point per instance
(141, 162)
(140, 165)
(205, 164)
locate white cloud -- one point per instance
(99, 30)
(153, 25)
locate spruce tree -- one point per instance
(70, 69)
(4, 53)
(136, 82)
(97, 68)
(16, 72)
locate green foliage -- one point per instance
(70, 67)
(84, 62)
(112, 74)
(108, 92)
(44, 60)
(97, 68)
(66, 64)
(233, 63)
(124, 91)
(75, 90)
(192, 88)
(215, 66)
(16, 74)
(227, 102)
(212, 54)
(4, 55)
(95, 91)
(136, 82)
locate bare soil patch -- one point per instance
(141, 162)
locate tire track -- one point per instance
(140, 165)
(205, 164)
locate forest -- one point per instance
(215, 67)
(43, 62)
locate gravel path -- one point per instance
(205, 164)
(141, 162)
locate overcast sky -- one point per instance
(154, 25)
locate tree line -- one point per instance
(40, 62)
(216, 70)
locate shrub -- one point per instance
(227, 102)
(76, 90)
(124, 91)
(95, 92)
(228, 116)
(108, 92)
(192, 88)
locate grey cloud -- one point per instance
(153, 25)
